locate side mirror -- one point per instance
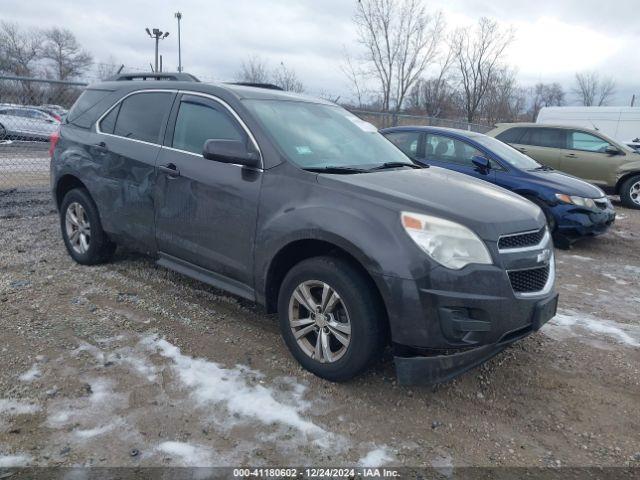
(230, 151)
(483, 164)
(611, 150)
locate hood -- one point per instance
(565, 183)
(485, 208)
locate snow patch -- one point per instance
(443, 464)
(14, 461)
(581, 258)
(188, 455)
(615, 279)
(14, 407)
(212, 384)
(31, 374)
(568, 323)
(377, 457)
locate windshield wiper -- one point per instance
(542, 167)
(396, 165)
(335, 169)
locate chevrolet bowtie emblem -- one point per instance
(544, 256)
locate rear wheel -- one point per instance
(630, 192)
(331, 318)
(82, 231)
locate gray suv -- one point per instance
(298, 205)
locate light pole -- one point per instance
(158, 35)
(178, 15)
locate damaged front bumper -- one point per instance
(434, 369)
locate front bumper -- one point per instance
(575, 222)
(428, 370)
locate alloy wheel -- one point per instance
(78, 227)
(634, 193)
(319, 321)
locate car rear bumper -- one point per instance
(439, 368)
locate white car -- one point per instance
(24, 123)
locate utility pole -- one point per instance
(178, 15)
(158, 35)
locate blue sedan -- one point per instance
(573, 207)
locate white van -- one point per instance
(620, 123)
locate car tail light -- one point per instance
(53, 141)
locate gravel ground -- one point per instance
(130, 364)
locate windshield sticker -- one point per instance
(303, 150)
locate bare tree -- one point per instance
(287, 79)
(400, 41)
(592, 90)
(545, 95)
(105, 71)
(64, 52)
(253, 70)
(355, 77)
(20, 50)
(435, 96)
(479, 54)
(504, 99)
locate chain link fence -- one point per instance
(31, 110)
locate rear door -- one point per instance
(585, 158)
(206, 210)
(130, 137)
(543, 145)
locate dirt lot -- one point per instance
(130, 364)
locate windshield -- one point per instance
(317, 136)
(507, 153)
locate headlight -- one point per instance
(579, 201)
(448, 243)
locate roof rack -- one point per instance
(269, 86)
(176, 76)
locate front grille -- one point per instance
(521, 240)
(528, 281)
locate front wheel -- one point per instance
(331, 318)
(630, 192)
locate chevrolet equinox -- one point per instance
(300, 206)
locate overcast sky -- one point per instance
(554, 39)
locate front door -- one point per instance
(585, 157)
(206, 210)
(454, 154)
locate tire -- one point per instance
(630, 192)
(79, 215)
(357, 307)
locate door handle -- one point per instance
(170, 169)
(571, 155)
(523, 150)
(101, 147)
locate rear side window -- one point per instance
(108, 123)
(88, 99)
(544, 137)
(196, 123)
(141, 116)
(408, 142)
(512, 135)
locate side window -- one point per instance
(142, 115)
(512, 135)
(587, 142)
(108, 123)
(408, 142)
(544, 137)
(445, 149)
(196, 123)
